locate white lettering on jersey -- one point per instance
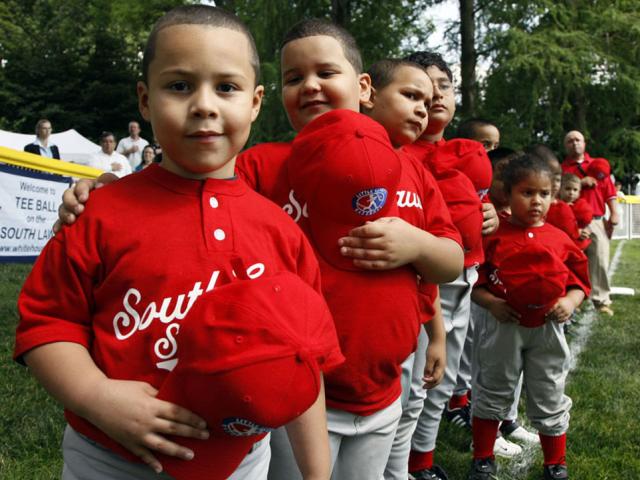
(294, 207)
(408, 199)
(128, 321)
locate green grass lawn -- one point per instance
(604, 438)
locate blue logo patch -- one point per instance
(241, 427)
(369, 202)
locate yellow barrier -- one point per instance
(629, 199)
(44, 164)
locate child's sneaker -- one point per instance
(483, 469)
(556, 472)
(515, 432)
(504, 448)
(433, 473)
(460, 417)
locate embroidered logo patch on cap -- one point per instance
(241, 427)
(369, 202)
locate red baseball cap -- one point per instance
(470, 158)
(344, 167)
(599, 169)
(583, 212)
(533, 278)
(249, 361)
(464, 206)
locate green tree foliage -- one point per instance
(76, 62)
(566, 65)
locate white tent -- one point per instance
(73, 146)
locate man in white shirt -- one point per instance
(108, 159)
(131, 146)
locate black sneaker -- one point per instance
(556, 472)
(460, 417)
(483, 469)
(433, 473)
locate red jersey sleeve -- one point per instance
(71, 262)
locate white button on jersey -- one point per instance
(530, 234)
(213, 201)
(219, 234)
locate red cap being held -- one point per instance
(599, 169)
(534, 278)
(344, 167)
(249, 356)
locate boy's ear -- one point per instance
(143, 99)
(370, 102)
(258, 94)
(364, 81)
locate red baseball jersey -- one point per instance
(129, 271)
(470, 158)
(510, 238)
(598, 195)
(369, 307)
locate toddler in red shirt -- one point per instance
(570, 193)
(533, 279)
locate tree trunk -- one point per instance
(341, 12)
(468, 57)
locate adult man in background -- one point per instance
(107, 159)
(131, 146)
(600, 194)
(41, 145)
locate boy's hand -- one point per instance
(562, 310)
(584, 233)
(380, 245)
(490, 219)
(503, 312)
(436, 362)
(130, 413)
(74, 198)
(588, 182)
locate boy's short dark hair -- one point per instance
(570, 178)
(545, 153)
(316, 26)
(500, 157)
(521, 167)
(198, 15)
(468, 128)
(383, 71)
(430, 59)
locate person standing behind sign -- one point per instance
(41, 145)
(107, 159)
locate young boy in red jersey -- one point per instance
(105, 339)
(401, 95)
(441, 157)
(533, 279)
(321, 72)
(570, 193)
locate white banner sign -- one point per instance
(28, 208)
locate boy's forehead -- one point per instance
(198, 46)
(417, 77)
(324, 48)
(435, 73)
